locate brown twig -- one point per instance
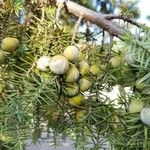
(122, 17)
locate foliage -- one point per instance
(32, 100)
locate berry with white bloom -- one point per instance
(145, 115)
(59, 64)
(43, 63)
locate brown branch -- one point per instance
(102, 21)
(93, 17)
(122, 17)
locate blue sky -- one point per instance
(145, 11)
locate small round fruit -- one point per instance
(95, 70)
(115, 61)
(71, 53)
(2, 56)
(80, 115)
(84, 84)
(59, 64)
(76, 100)
(43, 63)
(136, 106)
(72, 74)
(139, 85)
(84, 67)
(71, 89)
(9, 44)
(145, 115)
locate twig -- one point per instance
(103, 37)
(31, 68)
(60, 5)
(43, 13)
(122, 17)
(75, 29)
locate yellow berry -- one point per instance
(95, 70)
(72, 74)
(71, 89)
(9, 44)
(136, 106)
(116, 61)
(84, 84)
(84, 67)
(71, 53)
(76, 100)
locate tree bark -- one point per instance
(102, 21)
(92, 16)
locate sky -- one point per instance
(145, 11)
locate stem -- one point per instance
(103, 37)
(43, 13)
(145, 143)
(75, 29)
(58, 11)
